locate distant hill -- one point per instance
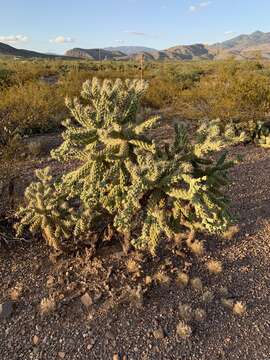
(7, 50)
(130, 50)
(95, 54)
(189, 52)
(11, 51)
(183, 52)
(245, 41)
(243, 46)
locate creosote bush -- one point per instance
(125, 185)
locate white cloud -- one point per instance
(62, 40)
(14, 39)
(230, 33)
(199, 6)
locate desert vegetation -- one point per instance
(33, 92)
(124, 185)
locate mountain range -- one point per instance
(239, 47)
(7, 50)
(130, 50)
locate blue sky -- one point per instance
(58, 25)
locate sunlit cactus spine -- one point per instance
(104, 136)
(46, 211)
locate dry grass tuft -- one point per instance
(207, 296)
(16, 292)
(197, 247)
(214, 266)
(185, 312)
(148, 280)
(133, 266)
(231, 232)
(239, 308)
(182, 278)
(196, 283)
(200, 314)
(47, 305)
(183, 330)
(162, 278)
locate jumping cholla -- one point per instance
(46, 210)
(143, 190)
(104, 137)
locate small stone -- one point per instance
(35, 339)
(6, 310)
(61, 354)
(86, 300)
(159, 333)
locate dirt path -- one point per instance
(70, 332)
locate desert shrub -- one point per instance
(125, 184)
(21, 72)
(185, 79)
(5, 78)
(32, 108)
(161, 93)
(230, 93)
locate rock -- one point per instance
(35, 339)
(86, 300)
(6, 310)
(159, 333)
(61, 354)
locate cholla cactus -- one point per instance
(213, 136)
(173, 192)
(46, 211)
(141, 189)
(261, 134)
(104, 135)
